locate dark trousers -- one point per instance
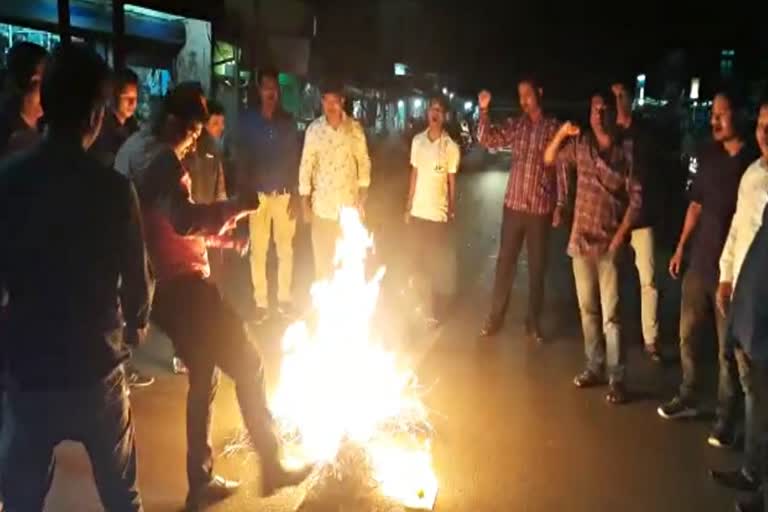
(516, 228)
(98, 416)
(209, 336)
(696, 310)
(433, 264)
(753, 376)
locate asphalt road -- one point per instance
(512, 433)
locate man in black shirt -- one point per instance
(75, 267)
(119, 123)
(713, 196)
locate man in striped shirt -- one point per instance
(530, 203)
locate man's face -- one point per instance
(597, 113)
(127, 100)
(269, 91)
(529, 97)
(623, 99)
(436, 115)
(215, 126)
(333, 105)
(762, 130)
(722, 119)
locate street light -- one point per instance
(445, 91)
(468, 106)
(400, 104)
(417, 103)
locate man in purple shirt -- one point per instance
(529, 204)
(608, 198)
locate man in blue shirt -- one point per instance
(267, 160)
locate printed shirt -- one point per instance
(752, 198)
(532, 187)
(605, 188)
(334, 166)
(433, 161)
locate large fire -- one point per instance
(340, 390)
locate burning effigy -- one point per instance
(347, 404)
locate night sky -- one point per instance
(571, 46)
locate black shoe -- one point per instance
(736, 480)
(722, 436)
(136, 379)
(754, 503)
(653, 353)
(274, 479)
(617, 394)
(217, 489)
(588, 379)
(490, 329)
(678, 408)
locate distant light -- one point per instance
(695, 86)
(451, 96)
(445, 91)
(641, 101)
(401, 69)
(641, 78)
(468, 105)
(417, 103)
(695, 103)
(400, 104)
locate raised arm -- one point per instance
(490, 135)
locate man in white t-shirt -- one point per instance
(431, 206)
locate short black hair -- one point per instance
(332, 86)
(183, 102)
(440, 100)
(268, 71)
(75, 82)
(22, 60)
(215, 108)
(737, 97)
(532, 80)
(122, 78)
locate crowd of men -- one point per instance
(106, 226)
(615, 177)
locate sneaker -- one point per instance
(588, 379)
(737, 480)
(678, 408)
(138, 380)
(217, 489)
(179, 368)
(722, 436)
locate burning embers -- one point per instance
(345, 402)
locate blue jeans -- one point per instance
(597, 288)
(98, 416)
